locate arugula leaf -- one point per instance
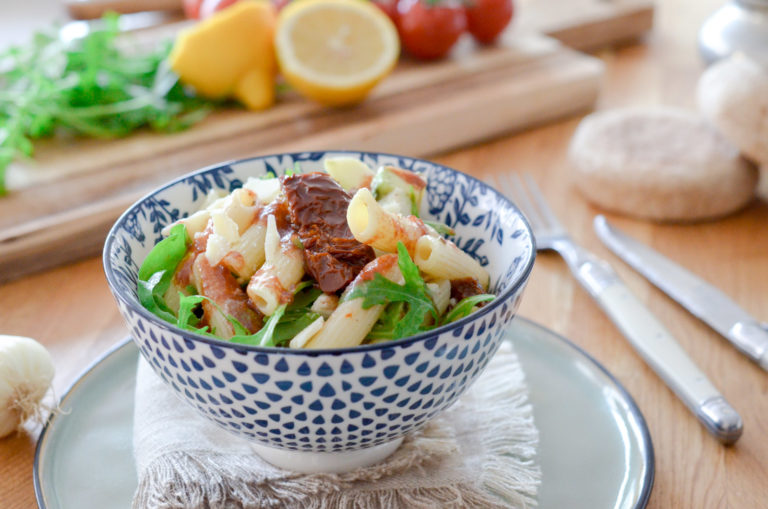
(265, 336)
(187, 319)
(297, 315)
(146, 291)
(288, 328)
(88, 86)
(441, 228)
(413, 292)
(269, 175)
(465, 307)
(296, 170)
(282, 326)
(414, 201)
(238, 327)
(384, 328)
(303, 297)
(157, 270)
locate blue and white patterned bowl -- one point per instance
(327, 401)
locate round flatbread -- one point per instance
(733, 95)
(663, 164)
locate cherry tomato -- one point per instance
(192, 8)
(389, 7)
(429, 29)
(279, 4)
(486, 19)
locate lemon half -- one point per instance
(335, 51)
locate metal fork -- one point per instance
(645, 333)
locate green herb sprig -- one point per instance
(157, 270)
(466, 306)
(88, 86)
(413, 292)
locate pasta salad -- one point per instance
(312, 260)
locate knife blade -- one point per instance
(700, 298)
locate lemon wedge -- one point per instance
(335, 51)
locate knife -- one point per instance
(702, 299)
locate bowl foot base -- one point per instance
(307, 462)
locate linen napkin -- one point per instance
(478, 453)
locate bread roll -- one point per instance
(661, 163)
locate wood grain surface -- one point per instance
(76, 188)
(71, 311)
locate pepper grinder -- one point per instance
(740, 26)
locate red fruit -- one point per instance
(389, 7)
(486, 19)
(191, 8)
(279, 4)
(429, 29)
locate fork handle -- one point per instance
(659, 349)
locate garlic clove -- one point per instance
(26, 372)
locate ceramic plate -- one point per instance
(595, 449)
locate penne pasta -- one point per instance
(199, 220)
(247, 254)
(216, 283)
(398, 190)
(242, 208)
(230, 217)
(265, 291)
(347, 326)
(441, 259)
(283, 268)
(325, 304)
(301, 240)
(382, 230)
(349, 172)
(301, 339)
(283, 255)
(350, 322)
(266, 190)
(440, 291)
(180, 282)
(397, 201)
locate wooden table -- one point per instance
(72, 312)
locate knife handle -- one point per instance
(660, 350)
(751, 339)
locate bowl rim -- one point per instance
(402, 342)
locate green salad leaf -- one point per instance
(280, 327)
(88, 86)
(413, 292)
(288, 328)
(441, 228)
(297, 315)
(157, 270)
(296, 170)
(187, 319)
(414, 201)
(265, 335)
(384, 328)
(466, 306)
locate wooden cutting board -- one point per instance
(67, 199)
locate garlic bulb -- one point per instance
(26, 371)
